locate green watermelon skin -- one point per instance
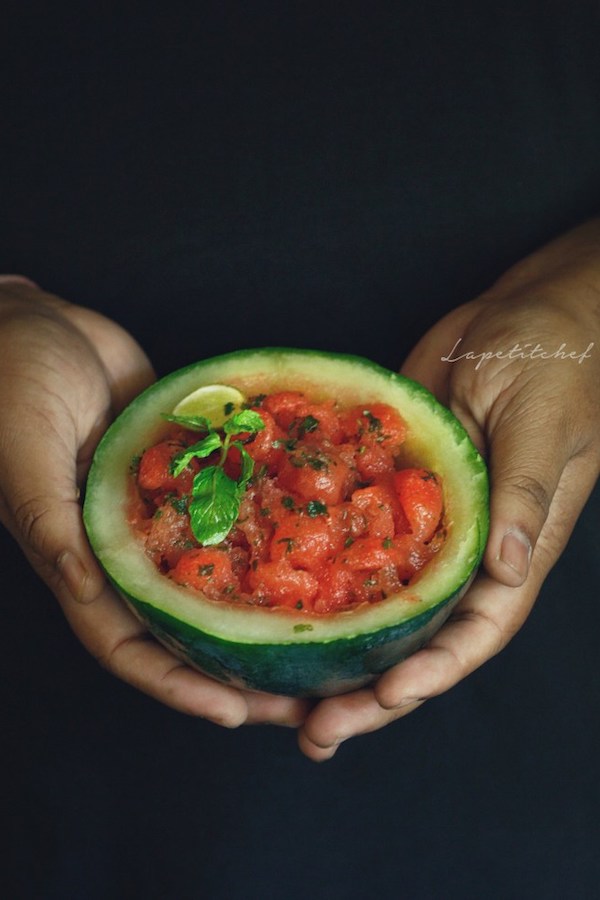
(300, 670)
(291, 653)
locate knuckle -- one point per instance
(494, 636)
(41, 523)
(536, 496)
(31, 517)
(117, 656)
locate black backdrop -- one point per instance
(331, 175)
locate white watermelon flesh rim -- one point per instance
(434, 440)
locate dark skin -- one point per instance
(543, 450)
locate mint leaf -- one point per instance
(215, 505)
(247, 466)
(200, 450)
(246, 420)
(192, 423)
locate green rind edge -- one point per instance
(295, 669)
(408, 383)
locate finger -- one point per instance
(44, 515)
(529, 451)
(122, 645)
(490, 614)
(337, 719)
(273, 709)
(40, 506)
(482, 624)
(55, 406)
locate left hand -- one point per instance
(65, 370)
(537, 422)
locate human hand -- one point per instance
(538, 422)
(65, 372)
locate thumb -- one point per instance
(527, 455)
(39, 504)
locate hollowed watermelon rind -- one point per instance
(291, 652)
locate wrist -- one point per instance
(577, 250)
(20, 296)
(17, 279)
(564, 274)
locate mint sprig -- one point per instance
(200, 450)
(215, 505)
(246, 420)
(215, 498)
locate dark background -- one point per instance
(338, 176)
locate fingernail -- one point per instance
(74, 574)
(515, 552)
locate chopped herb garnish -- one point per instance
(387, 543)
(291, 543)
(260, 474)
(180, 504)
(228, 408)
(309, 458)
(265, 511)
(374, 422)
(299, 604)
(288, 502)
(135, 464)
(206, 570)
(305, 426)
(256, 401)
(349, 541)
(288, 444)
(315, 508)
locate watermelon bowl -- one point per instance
(292, 651)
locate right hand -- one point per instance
(65, 372)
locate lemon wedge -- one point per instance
(216, 402)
